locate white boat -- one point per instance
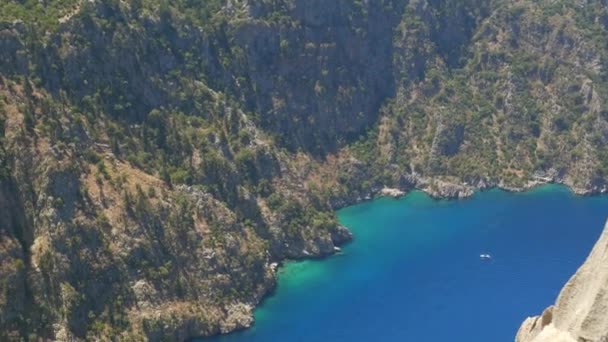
(485, 256)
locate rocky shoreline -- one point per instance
(436, 188)
(439, 188)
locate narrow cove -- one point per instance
(413, 272)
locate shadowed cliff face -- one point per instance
(321, 73)
(579, 314)
(13, 221)
(15, 239)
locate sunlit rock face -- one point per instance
(581, 310)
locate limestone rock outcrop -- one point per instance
(581, 310)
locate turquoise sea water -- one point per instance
(413, 272)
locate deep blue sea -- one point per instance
(413, 271)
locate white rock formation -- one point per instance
(390, 192)
(581, 311)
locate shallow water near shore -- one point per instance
(413, 271)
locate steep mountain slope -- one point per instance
(527, 99)
(579, 313)
(157, 158)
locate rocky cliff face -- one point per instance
(514, 97)
(579, 314)
(322, 71)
